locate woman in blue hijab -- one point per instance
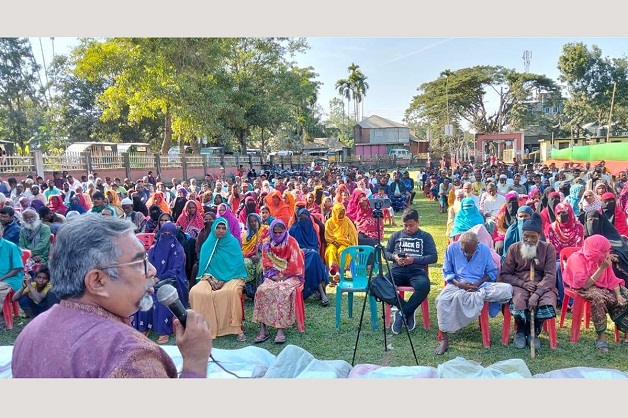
(316, 276)
(75, 205)
(467, 217)
(168, 258)
(217, 295)
(514, 233)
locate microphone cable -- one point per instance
(225, 370)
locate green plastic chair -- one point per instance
(359, 256)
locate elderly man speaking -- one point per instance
(88, 333)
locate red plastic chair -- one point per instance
(581, 307)
(7, 312)
(425, 306)
(549, 325)
(484, 327)
(148, 238)
(388, 218)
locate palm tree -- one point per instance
(344, 90)
(358, 86)
(361, 86)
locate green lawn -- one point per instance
(325, 342)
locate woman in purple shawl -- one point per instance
(167, 256)
(234, 224)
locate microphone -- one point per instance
(167, 295)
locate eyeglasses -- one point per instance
(130, 263)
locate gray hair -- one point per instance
(468, 238)
(88, 242)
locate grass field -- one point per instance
(325, 342)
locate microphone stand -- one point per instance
(378, 215)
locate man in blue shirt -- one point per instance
(470, 275)
(410, 250)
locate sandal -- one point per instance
(326, 303)
(261, 338)
(163, 339)
(602, 346)
(280, 339)
(241, 337)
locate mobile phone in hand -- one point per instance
(403, 255)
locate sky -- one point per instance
(396, 67)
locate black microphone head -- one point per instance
(167, 295)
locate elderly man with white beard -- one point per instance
(538, 294)
(34, 236)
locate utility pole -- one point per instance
(610, 114)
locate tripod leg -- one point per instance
(366, 296)
(403, 316)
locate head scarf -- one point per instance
(574, 197)
(252, 240)
(281, 211)
(567, 234)
(291, 200)
(340, 230)
(467, 217)
(341, 188)
(114, 199)
(36, 204)
(177, 208)
(303, 231)
(194, 224)
(608, 209)
(353, 205)
(281, 254)
(75, 205)
(155, 213)
(515, 231)
(55, 203)
(595, 205)
(234, 224)
(551, 203)
(221, 257)
(167, 256)
(138, 206)
(314, 207)
(508, 213)
(162, 202)
(582, 264)
(544, 199)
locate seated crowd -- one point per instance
(266, 237)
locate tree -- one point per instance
(464, 91)
(344, 90)
(337, 125)
(354, 87)
(589, 80)
(21, 97)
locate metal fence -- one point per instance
(194, 160)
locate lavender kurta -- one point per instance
(516, 271)
(79, 340)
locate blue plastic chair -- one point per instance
(359, 255)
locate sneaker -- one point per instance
(520, 341)
(411, 321)
(397, 323)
